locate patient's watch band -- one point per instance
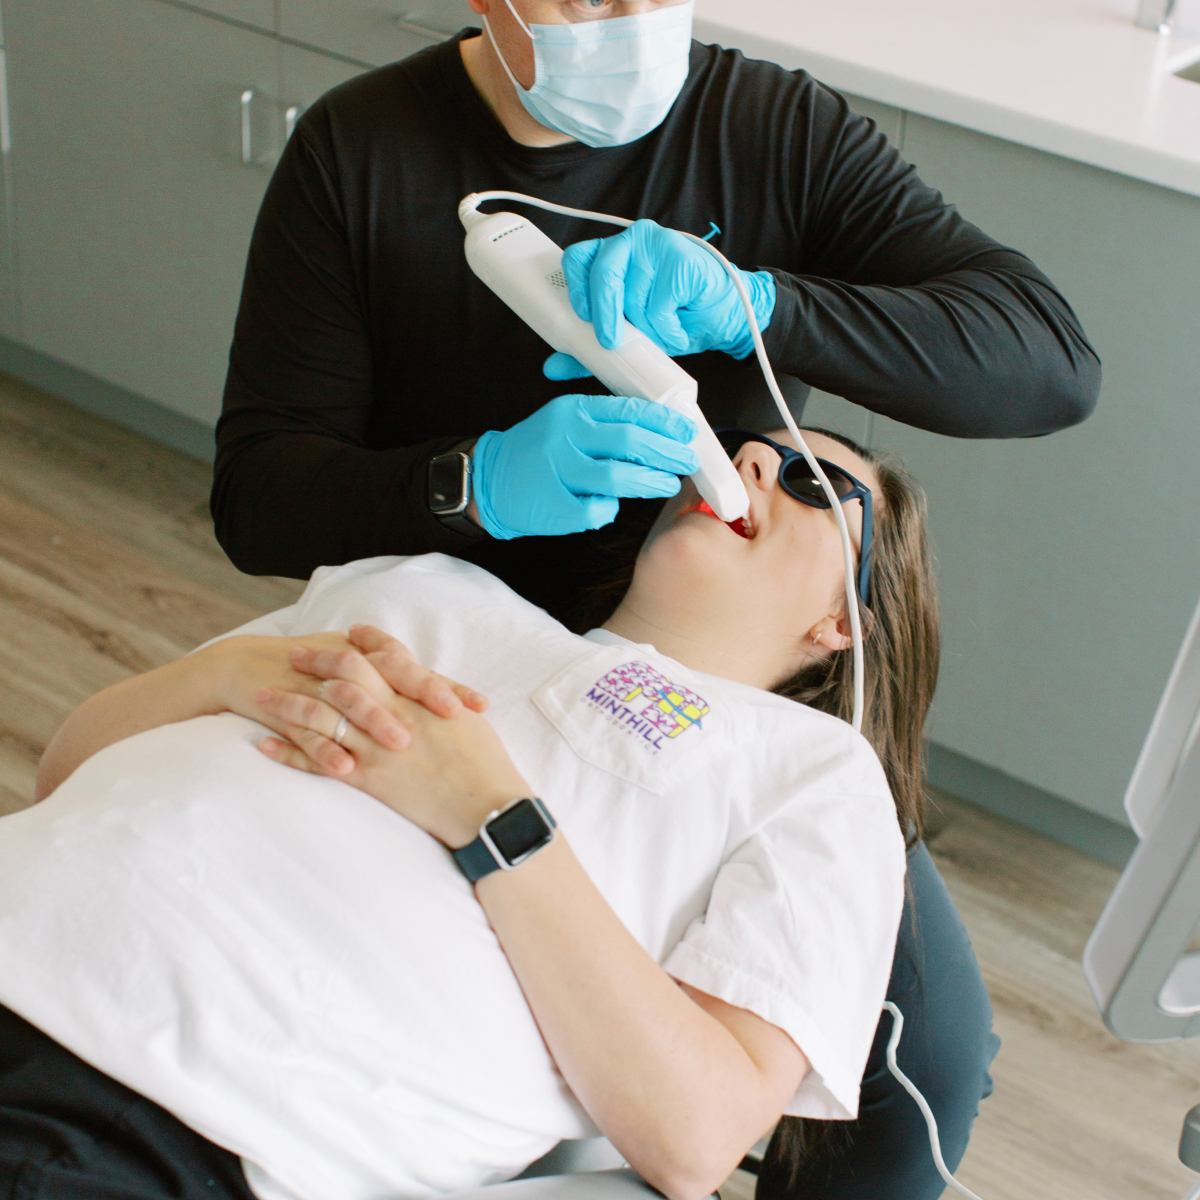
(449, 488)
(507, 838)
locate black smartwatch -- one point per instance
(449, 489)
(507, 838)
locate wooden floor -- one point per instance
(108, 566)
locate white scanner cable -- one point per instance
(473, 201)
(911, 1088)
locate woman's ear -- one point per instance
(831, 634)
(842, 637)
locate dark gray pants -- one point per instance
(946, 1050)
(67, 1132)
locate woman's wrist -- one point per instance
(215, 677)
(173, 692)
(463, 827)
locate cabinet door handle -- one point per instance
(248, 97)
(5, 129)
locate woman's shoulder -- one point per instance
(813, 755)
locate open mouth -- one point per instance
(740, 525)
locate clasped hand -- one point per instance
(413, 740)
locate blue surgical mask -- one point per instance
(609, 81)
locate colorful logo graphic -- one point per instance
(647, 704)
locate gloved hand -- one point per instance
(674, 291)
(562, 469)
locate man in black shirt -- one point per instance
(365, 347)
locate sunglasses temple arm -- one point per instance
(864, 565)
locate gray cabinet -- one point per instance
(373, 31)
(1070, 564)
(307, 75)
(144, 132)
(8, 287)
(259, 13)
(132, 204)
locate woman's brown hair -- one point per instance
(901, 651)
(901, 643)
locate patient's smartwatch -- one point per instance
(507, 838)
(449, 488)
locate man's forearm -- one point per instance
(287, 503)
(983, 351)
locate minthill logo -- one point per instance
(646, 704)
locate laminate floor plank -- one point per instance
(113, 583)
(1076, 1111)
(96, 477)
(57, 650)
(108, 565)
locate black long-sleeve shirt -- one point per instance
(364, 344)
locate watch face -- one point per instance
(519, 831)
(448, 484)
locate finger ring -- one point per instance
(340, 732)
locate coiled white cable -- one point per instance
(473, 201)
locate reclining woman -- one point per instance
(231, 977)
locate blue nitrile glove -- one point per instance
(674, 291)
(562, 469)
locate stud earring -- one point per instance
(817, 635)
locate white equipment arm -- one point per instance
(1143, 976)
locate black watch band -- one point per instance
(449, 489)
(507, 838)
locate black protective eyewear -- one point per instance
(797, 479)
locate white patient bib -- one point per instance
(306, 979)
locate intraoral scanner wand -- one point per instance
(524, 268)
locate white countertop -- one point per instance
(1076, 78)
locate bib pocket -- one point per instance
(633, 715)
